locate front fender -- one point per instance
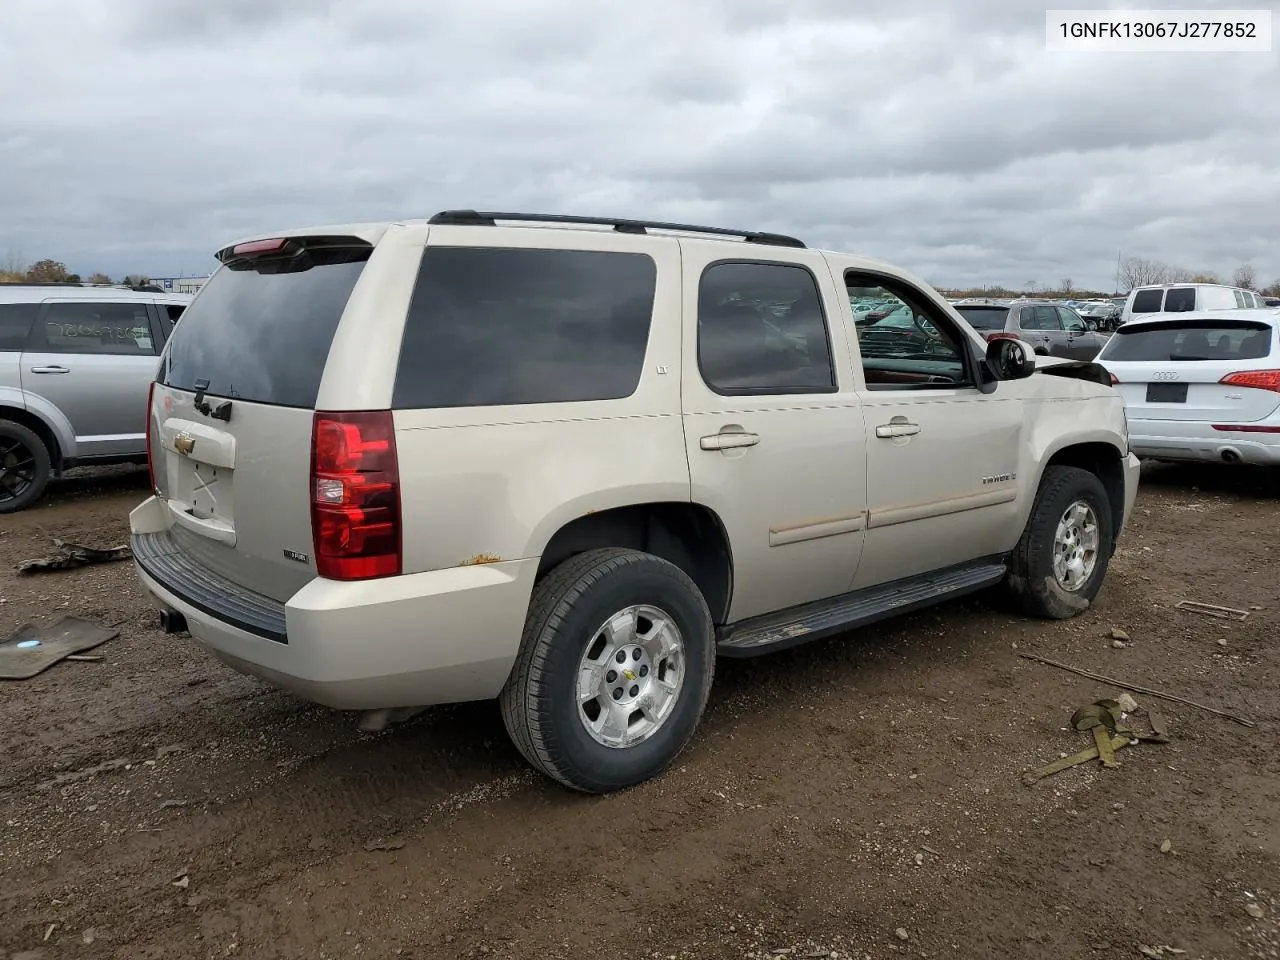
(46, 413)
(1069, 412)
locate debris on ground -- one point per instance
(1211, 610)
(1105, 721)
(30, 650)
(1166, 847)
(374, 845)
(1254, 910)
(1147, 951)
(69, 556)
(1137, 689)
(902, 934)
(1118, 634)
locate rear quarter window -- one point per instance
(1147, 301)
(15, 324)
(495, 326)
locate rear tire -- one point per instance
(24, 467)
(1058, 566)
(626, 627)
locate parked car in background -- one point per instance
(75, 364)
(1052, 329)
(1271, 301)
(1186, 298)
(1203, 385)
(1100, 315)
(396, 465)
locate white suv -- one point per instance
(567, 462)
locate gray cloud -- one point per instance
(943, 137)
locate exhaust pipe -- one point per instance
(172, 622)
(1231, 456)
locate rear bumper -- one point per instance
(444, 636)
(1197, 440)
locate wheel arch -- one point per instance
(687, 534)
(52, 438)
(1104, 460)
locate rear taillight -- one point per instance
(1114, 379)
(1258, 379)
(151, 457)
(999, 335)
(355, 495)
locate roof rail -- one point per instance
(473, 218)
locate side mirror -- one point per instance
(1011, 359)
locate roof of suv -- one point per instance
(31, 292)
(373, 231)
(1264, 315)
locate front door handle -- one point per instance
(887, 431)
(52, 368)
(728, 441)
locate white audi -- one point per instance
(1202, 385)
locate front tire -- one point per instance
(24, 467)
(614, 670)
(1059, 564)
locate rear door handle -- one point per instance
(52, 368)
(728, 441)
(887, 431)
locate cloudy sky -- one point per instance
(141, 135)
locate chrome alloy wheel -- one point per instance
(1075, 546)
(630, 676)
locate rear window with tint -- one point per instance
(494, 326)
(1147, 301)
(1220, 340)
(1180, 300)
(985, 318)
(15, 324)
(260, 330)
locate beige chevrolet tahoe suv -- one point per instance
(567, 462)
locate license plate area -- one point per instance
(1166, 393)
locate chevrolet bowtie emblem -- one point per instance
(628, 674)
(184, 443)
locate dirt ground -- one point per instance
(858, 798)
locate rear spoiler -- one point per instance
(1078, 370)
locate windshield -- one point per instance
(985, 318)
(1191, 340)
(260, 330)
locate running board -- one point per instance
(812, 621)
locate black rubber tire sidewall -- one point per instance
(39, 452)
(1031, 573)
(540, 702)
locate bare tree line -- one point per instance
(1140, 272)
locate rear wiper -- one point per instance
(221, 412)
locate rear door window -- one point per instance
(1180, 300)
(1040, 318)
(1147, 301)
(15, 324)
(492, 326)
(762, 330)
(261, 329)
(87, 327)
(1191, 340)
